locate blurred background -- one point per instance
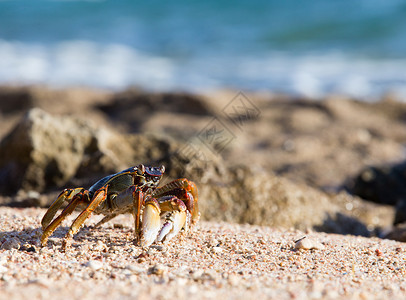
(308, 48)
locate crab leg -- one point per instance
(99, 196)
(77, 199)
(137, 199)
(151, 222)
(66, 194)
(131, 197)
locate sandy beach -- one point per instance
(218, 260)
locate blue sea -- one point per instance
(309, 48)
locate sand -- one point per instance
(215, 261)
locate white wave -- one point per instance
(81, 63)
(118, 66)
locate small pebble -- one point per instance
(308, 244)
(217, 250)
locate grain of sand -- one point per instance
(216, 261)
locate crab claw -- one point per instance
(177, 220)
(175, 217)
(151, 222)
(166, 228)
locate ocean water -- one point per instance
(301, 47)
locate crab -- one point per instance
(160, 213)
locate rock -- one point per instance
(383, 184)
(15, 99)
(251, 195)
(398, 233)
(45, 151)
(132, 108)
(42, 150)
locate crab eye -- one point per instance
(141, 169)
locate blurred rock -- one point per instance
(398, 233)
(250, 195)
(45, 151)
(247, 194)
(383, 184)
(42, 150)
(133, 108)
(15, 99)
